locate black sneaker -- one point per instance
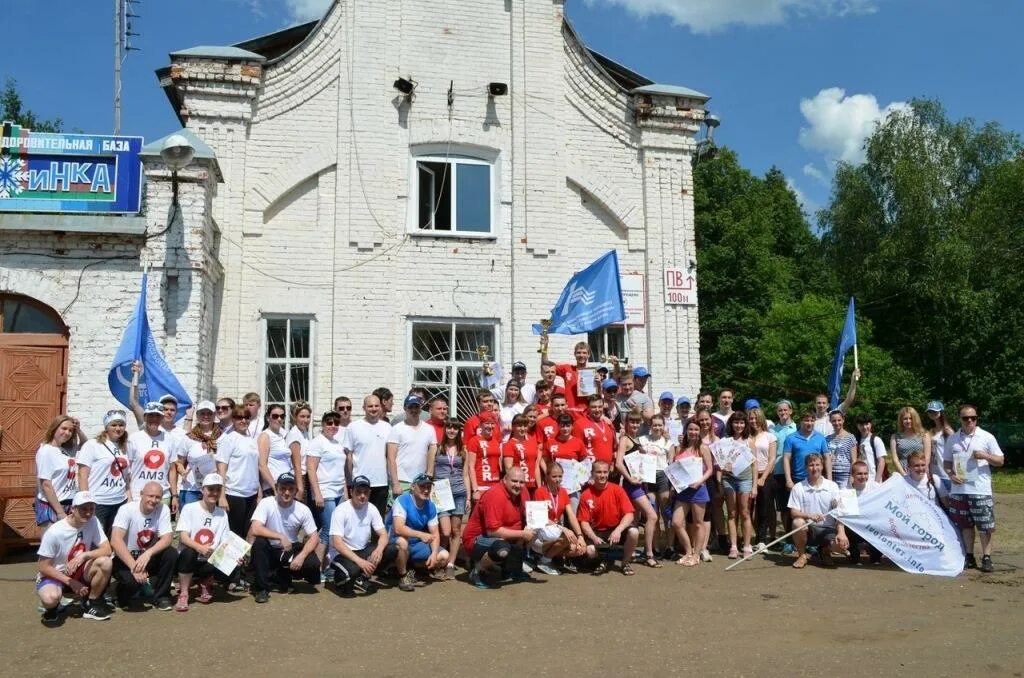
(986, 564)
(570, 566)
(52, 618)
(854, 556)
(95, 610)
(969, 562)
(262, 596)
(363, 585)
(163, 604)
(347, 590)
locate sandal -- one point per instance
(688, 560)
(801, 562)
(652, 562)
(601, 568)
(627, 570)
(747, 551)
(733, 553)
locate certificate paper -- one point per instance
(585, 379)
(569, 480)
(441, 495)
(642, 466)
(227, 554)
(961, 467)
(684, 473)
(536, 514)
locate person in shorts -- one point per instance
(968, 458)
(810, 501)
(450, 462)
(74, 559)
(606, 517)
(413, 526)
(495, 536)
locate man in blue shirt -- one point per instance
(413, 519)
(782, 429)
(796, 448)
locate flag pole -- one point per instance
(625, 339)
(856, 359)
(791, 532)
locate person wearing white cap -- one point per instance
(103, 467)
(274, 535)
(410, 444)
(197, 456)
(941, 431)
(141, 539)
(201, 527)
(152, 454)
(74, 558)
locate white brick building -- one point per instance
(326, 223)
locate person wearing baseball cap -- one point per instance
(360, 547)
(277, 552)
(153, 453)
(74, 558)
(202, 525)
(941, 431)
(640, 377)
(665, 402)
(410, 443)
(528, 390)
(414, 527)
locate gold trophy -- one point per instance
(545, 325)
(484, 353)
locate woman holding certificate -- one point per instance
(691, 499)
(449, 463)
(630, 460)
(735, 456)
(714, 513)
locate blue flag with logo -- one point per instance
(156, 379)
(592, 299)
(847, 340)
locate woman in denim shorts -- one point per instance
(450, 463)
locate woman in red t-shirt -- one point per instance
(521, 450)
(484, 458)
(570, 543)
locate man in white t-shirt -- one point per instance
(152, 453)
(410, 443)
(365, 443)
(861, 482)
(872, 449)
(810, 501)
(277, 552)
(355, 555)
(822, 411)
(968, 458)
(725, 400)
(141, 539)
(201, 527)
(74, 557)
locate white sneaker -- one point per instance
(527, 569)
(760, 547)
(705, 556)
(546, 567)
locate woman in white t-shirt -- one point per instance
(55, 472)
(197, 454)
(765, 450)
(325, 465)
(238, 464)
(275, 457)
(298, 441)
(872, 450)
(658, 444)
(513, 404)
(941, 431)
(102, 467)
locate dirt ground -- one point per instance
(763, 618)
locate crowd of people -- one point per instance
(353, 503)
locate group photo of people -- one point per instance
(579, 470)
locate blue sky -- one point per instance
(797, 83)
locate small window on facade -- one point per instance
(454, 195)
(607, 341)
(287, 366)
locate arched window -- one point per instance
(24, 315)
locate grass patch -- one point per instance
(1008, 481)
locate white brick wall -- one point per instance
(577, 177)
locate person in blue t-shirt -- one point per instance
(413, 519)
(796, 448)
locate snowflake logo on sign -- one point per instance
(13, 176)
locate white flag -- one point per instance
(909, 528)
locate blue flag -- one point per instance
(847, 340)
(592, 299)
(156, 379)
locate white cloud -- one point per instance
(705, 16)
(809, 206)
(812, 171)
(307, 10)
(839, 124)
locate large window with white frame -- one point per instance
(445, 359)
(453, 195)
(288, 360)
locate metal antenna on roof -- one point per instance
(123, 33)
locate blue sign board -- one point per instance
(41, 172)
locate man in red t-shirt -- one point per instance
(570, 375)
(438, 415)
(548, 374)
(606, 518)
(485, 402)
(595, 432)
(543, 403)
(547, 427)
(484, 458)
(521, 450)
(562, 446)
(494, 535)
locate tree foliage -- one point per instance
(12, 110)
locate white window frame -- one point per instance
(265, 360)
(453, 155)
(601, 336)
(411, 365)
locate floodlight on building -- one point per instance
(407, 86)
(176, 152)
(497, 89)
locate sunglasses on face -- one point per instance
(330, 423)
(969, 418)
(242, 418)
(342, 408)
(223, 408)
(276, 417)
(453, 427)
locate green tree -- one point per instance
(929, 232)
(12, 110)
